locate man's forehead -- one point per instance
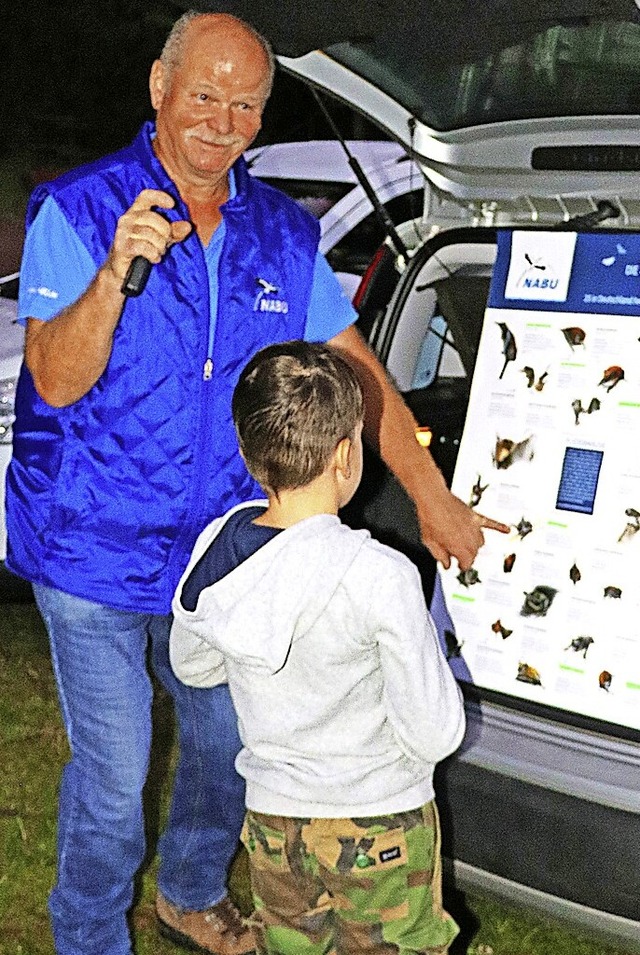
(228, 53)
(226, 78)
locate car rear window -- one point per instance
(561, 71)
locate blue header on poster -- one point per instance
(567, 272)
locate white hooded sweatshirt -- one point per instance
(344, 699)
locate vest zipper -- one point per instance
(207, 370)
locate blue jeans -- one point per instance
(100, 661)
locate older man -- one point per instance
(123, 407)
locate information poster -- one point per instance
(551, 446)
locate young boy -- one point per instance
(344, 699)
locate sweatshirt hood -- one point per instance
(253, 614)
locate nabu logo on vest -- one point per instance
(265, 300)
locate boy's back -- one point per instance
(344, 699)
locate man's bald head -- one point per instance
(173, 49)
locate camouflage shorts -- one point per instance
(348, 886)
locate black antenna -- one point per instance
(379, 209)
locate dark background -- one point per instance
(75, 81)
(75, 77)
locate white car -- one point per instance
(527, 118)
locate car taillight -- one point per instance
(367, 278)
(376, 288)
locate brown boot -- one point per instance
(219, 930)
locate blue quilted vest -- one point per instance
(106, 497)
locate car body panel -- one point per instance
(554, 115)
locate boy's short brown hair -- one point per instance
(293, 404)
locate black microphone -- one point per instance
(137, 276)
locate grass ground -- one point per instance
(34, 749)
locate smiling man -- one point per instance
(125, 449)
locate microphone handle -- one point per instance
(137, 276)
